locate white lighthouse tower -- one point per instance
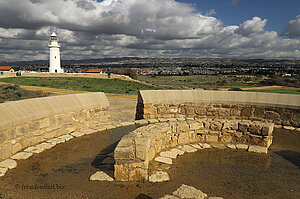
(54, 55)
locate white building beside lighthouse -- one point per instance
(54, 55)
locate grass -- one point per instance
(279, 90)
(202, 81)
(81, 84)
(14, 92)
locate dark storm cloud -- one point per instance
(91, 29)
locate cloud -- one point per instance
(116, 28)
(255, 25)
(293, 28)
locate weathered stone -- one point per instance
(168, 154)
(205, 145)
(216, 126)
(267, 141)
(297, 129)
(3, 171)
(77, 134)
(8, 163)
(34, 149)
(21, 156)
(88, 131)
(110, 127)
(238, 134)
(68, 137)
(187, 148)
(197, 146)
(289, 128)
(231, 125)
(177, 151)
(277, 126)
(185, 191)
(243, 126)
(218, 145)
(142, 148)
(267, 129)
(211, 138)
(56, 141)
(141, 122)
(163, 160)
(255, 128)
(169, 197)
(101, 176)
(124, 153)
(46, 145)
(231, 146)
(127, 123)
(242, 146)
(258, 149)
(195, 126)
(162, 119)
(225, 137)
(159, 176)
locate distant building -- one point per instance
(6, 70)
(54, 60)
(94, 71)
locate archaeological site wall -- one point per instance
(135, 150)
(282, 109)
(28, 122)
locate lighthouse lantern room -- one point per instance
(54, 55)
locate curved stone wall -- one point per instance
(281, 109)
(28, 122)
(135, 150)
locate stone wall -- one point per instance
(135, 150)
(281, 109)
(28, 122)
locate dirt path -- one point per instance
(261, 87)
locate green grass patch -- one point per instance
(81, 84)
(280, 90)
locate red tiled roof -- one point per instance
(5, 68)
(94, 70)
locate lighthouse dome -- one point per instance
(53, 34)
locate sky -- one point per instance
(91, 29)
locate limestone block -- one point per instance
(45, 145)
(197, 146)
(124, 153)
(202, 131)
(172, 120)
(121, 173)
(258, 149)
(101, 176)
(152, 121)
(185, 191)
(21, 156)
(127, 123)
(8, 163)
(255, 128)
(187, 148)
(3, 171)
(231, 146)
(225, 137)
(88, 131)
(77, 134)
(162, 119)
(109, 127)
(238, 134)
(195, 126)
(34, 149)
(211, 138)
(218, 145)
(216, 126)
(267, 141)
(177, 151)
(183, 138)
(127, 140)
(141, 122)
(168, 154)
(242, 146)
(243, 126)
(289, 128)
(205, 145)
(56, 140)
(142, 148)
(231, 125)
(207, 124)
(159, 176)
(163, 160)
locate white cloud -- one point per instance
(293, 28)
(115, 28)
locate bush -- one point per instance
(235, 89)
(125, 71)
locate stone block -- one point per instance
(258, 149)
(187, 148)
(185, 191)
(216, 126)
(255, 128)
(231, 146)
(218, 145)
(267, 141)
(195, 126)
(159, 176)
(177, 151)
(242, 146)
(211, 138)
(3, 171)
(67, 137)
(77, 134)
(21, 156)
(8, 163)
(101, 176)
(168, 154)
(34, 149)
(225, 137)
(205, 145)
(45, 145)
(163, 160)
(141, 122)
(124, 153)
(183, 138)
(230, 125)
(137, 174)
(142, 148)
(121, 172)
(243, 126)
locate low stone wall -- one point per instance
(89, 75)
(135, 150)
(280, 109)
(28, 122)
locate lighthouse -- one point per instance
(54, 60)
